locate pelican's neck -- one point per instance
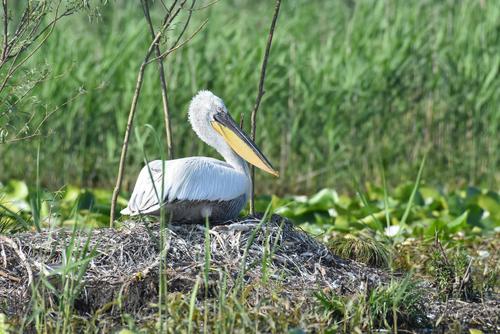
(233, 159)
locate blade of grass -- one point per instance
(206, 272)
(162, 289)
(376, 222)
(386, 197)
(192, 305)
(413, 193)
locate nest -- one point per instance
(124, 263)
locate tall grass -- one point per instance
(66, 278)
(381, 307)
(348, 84)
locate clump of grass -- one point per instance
(398, 304)
(400, 301)
(65, 278)
(473, 258)
(452, 273)
(263, 308)
(362, 247)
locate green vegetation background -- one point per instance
(350, 84)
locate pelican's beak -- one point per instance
(241, 143)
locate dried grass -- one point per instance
(125, 267)
(126, 260)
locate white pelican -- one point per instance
(199, 187)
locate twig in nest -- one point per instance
(9, 276)
(261, 93)
(465, 277)
(439, 246)
(20, 254)
(4, 257)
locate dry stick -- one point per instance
(439, 246)
(5, 29)
(261, 93)
(187, 40)
(9, 276)
(190, 13)
(119, 178)
(20, 254)
(163, 83)
(465, 277)
(133, 107)
(140, 78)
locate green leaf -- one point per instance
(459, 221)
(324, 199)
(475, 331)
(490, 204)
(15, 190)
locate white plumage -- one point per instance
(196, 187)
(192, 179)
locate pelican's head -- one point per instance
(211, 121)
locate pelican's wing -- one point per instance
(147, 190)
(193, 179)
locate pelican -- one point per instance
(195, 188)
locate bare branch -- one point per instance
(169, 51)
(167, 18)
(261, 93)
(190, 13)
(5, 29)
(164, 5)
(140, 78)
(14, 67)
(123, 155)
(36, 132)
(206, 6)
(163, 83)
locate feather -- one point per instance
(187, 179)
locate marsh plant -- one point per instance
(57, 288)
(400, 303)
(378, 79)
(452, 271)
(363, 246)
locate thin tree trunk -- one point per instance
(163, 83)
(261, 93)
(131, 115)
(123, 156)
(170, 16)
